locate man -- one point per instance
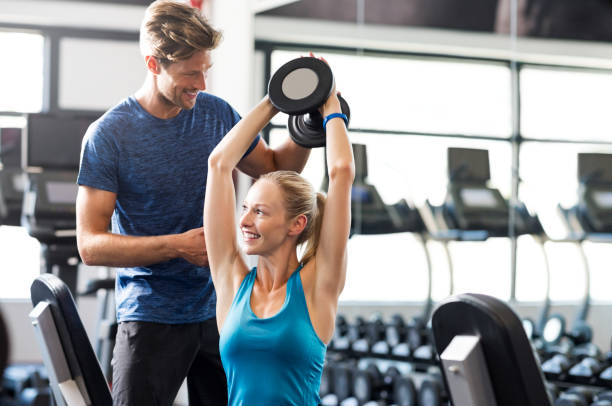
(144, 166)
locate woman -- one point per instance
(275, 320)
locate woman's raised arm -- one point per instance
(227, 266)
(331, 253)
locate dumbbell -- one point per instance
(26, 385)
(342, 380)
(369, 332)
(395, 330)
(576, 396)
(603, 396)
(556, 365)
(375, 335)
(340, 340)
(299, 88)
(417, 333)
(404, 391)
(552, 390)
(579, 336)
(431, 390)
(586, 369)
(348, 333)
(370, 384)
(327, 381)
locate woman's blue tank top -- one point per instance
(273, 361)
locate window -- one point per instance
(545, 185)
(566, 104)
(19, 262)
(21, 73)
(119, 67)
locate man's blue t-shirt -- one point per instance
(158, 170)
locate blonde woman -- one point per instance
(276, 319)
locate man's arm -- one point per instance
(98, 246)
(263, 159)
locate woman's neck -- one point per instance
(273, 271)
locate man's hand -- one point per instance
(192, 247)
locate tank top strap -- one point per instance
(244, 291)
(295, 291)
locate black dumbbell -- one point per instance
(370, 384)
(586, 369)
(431, 390)
(404, 391)
(376, 335)
(366, 382)
(342, 380)
(417, 333)
(369, 333)
(340, 340)
(601, 396)
(341, 325)
(327, 382)
(299, 88)
(552, 390)
(34, 397)
(395, 330)
(556, 365)
(576, 396)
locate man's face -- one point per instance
(180, 82)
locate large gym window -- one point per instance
(21, 73)
(409, 109)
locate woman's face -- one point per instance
(263, 221)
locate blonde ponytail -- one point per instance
(314, 232)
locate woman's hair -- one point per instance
(300, 198)
(172, 31)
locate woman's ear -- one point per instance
(298, 225)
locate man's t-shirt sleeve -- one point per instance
(234, 117)
(99, 158)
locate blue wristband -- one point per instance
(334, 115)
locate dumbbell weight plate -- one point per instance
(301, 86)
(307, 130)
(362, 386)
(326, 385)
(404, 392)
(606, 395)
(430, 393)
(342, 381)
(570, 399)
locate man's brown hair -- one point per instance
(173, 31)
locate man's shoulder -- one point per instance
(117, 118)
(205, 97)
(121, 111)
(210, 102)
